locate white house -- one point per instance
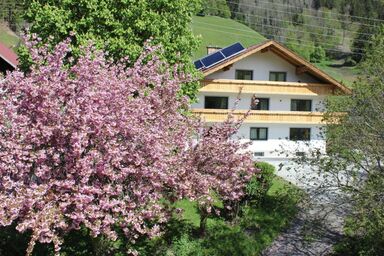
(290, 90)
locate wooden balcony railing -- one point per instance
(265, 87)
(259, 116)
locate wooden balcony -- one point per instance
(265, 87)
(259, 116)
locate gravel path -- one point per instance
(318, 225)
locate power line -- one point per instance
(301, 44)
(226, 27)
(319, 11)
(310, 32)
(303, 25)
(307, 15)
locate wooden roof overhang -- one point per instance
(302, 65)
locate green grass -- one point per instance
(345, 75)
(217, 31)
(7, 37)
(254, 231)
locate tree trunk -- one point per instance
(203, 223)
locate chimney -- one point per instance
(212, 49)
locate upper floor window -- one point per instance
(301, 105)
(216, 102)
(258, 133)
(244, 74)
(262, 105)
(297, 134)
(278, 76)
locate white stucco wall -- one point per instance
(276, 102)
(278, 134)
(262, 64)
(278, 144)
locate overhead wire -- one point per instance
(319, 11)
(305, 15)
(311, 32)
(289, 22)
(246, 35)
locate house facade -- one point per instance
(288, 119)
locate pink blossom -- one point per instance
(101, 145)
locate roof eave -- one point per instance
(284, 50)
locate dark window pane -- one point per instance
(244, 74)
(259, 133)
(301, 105)
(278, 76)
(258, 154)
(262, 105)
(216, 102)
(300, 134)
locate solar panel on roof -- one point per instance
(232, 50)
(198, 64)
(212, 59)
(219, 56)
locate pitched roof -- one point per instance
(8, 55)
(284, 53)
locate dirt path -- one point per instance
(319, 223)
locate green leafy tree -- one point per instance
(360, 139)
(11, 12)
(355, 161)
(216, 8)
(318, 55)
(118, 27)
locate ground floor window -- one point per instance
(258, 154)
(297, 134)
(259, 133)
(212, 102)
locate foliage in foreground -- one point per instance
(119, 28)
(259, 185)
(355, 155)
(255, 229)
(99, 146)
(360, 141)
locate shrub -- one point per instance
(260, 183)
(318, 55)
(350, 62)
(185, 246)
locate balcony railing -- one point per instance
(260, 116)
(265, 87)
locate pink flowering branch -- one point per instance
(104, 146)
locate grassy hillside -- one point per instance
(216, 31)
(344, 74)
(7, 37)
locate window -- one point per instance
(244, 74)
(216, 102)
(262, 105)
(259, 133)
(297, 134)
(301, 105)
(278, 76)
(256, 154)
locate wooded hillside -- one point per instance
(311, 27)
